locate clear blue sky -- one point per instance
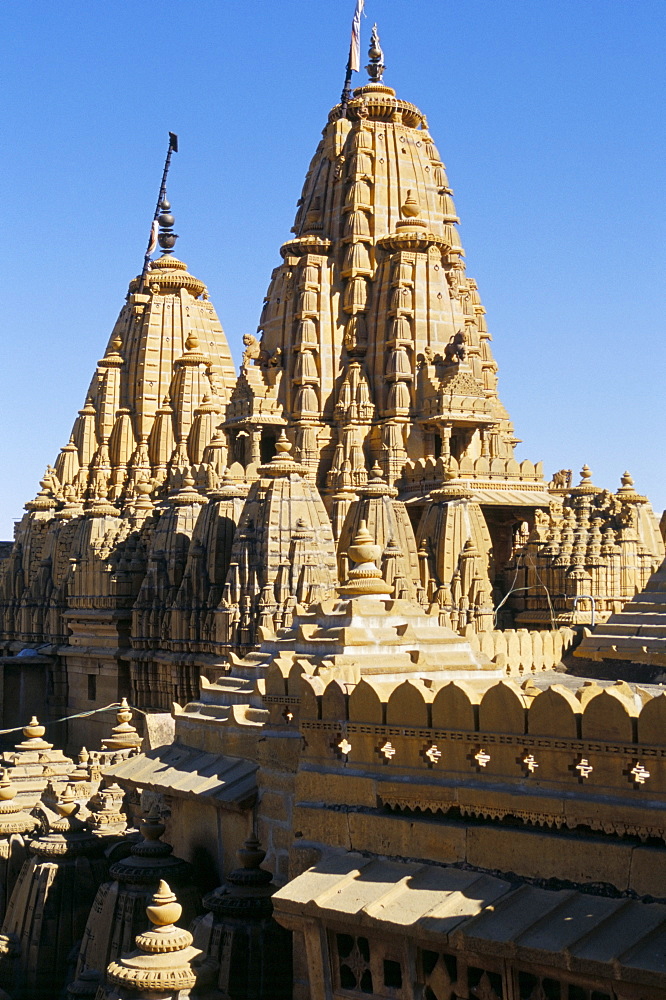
(549, 115)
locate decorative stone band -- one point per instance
(414, 240)
(136, 974)
(304, 245)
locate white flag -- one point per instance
(355, 47)
(152, 246)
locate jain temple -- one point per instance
(357, 704)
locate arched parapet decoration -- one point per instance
(334, 702)
(555, 712)
(455, 706)
(295, 676)
(277, 672)
(503, 709)
(409, 705)
(611, 715)
(312, 689)
(588, 691)
(367, 702)
(652, 721)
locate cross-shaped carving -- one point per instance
(480, 758)
(432, 754)
(639, 773)
(341, 747)
(583, 768)
(529, 762)
(287, 715)
(388, 750)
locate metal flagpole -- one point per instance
(354, 60)
(173, 148)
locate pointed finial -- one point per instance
(376, 66)
(585, 475)
(163, 909)
(411, 208)
(7, 789)
(365, 579)
(283, 444)
(123, 735)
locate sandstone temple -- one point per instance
(310, 688)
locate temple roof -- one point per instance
(618, 939)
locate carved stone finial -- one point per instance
(163, 909)
(151, 859)
(411, 214)
(627, 492)
(34, 737)
(7, 790)
(366, 577)
(282, 462)
(124, 735)
(248, 890)
(166, 237)
(161, 965)
(411, 208)
(376, 65)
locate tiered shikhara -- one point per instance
(193, 511)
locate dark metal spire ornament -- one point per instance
(376, 65)
(166, 238)
(159, 208)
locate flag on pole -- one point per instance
(355, 46)
(152, 246)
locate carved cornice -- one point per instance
(305, 244)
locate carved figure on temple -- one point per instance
(455, 351)
(252, 350)
(562, 479)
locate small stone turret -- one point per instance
(117, 914)
(15, 827)
(164, 962)
(239, 933)
(47, 911)
(34, 762)
(388, 522)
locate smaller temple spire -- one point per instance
(161, 965)
(376, 65)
